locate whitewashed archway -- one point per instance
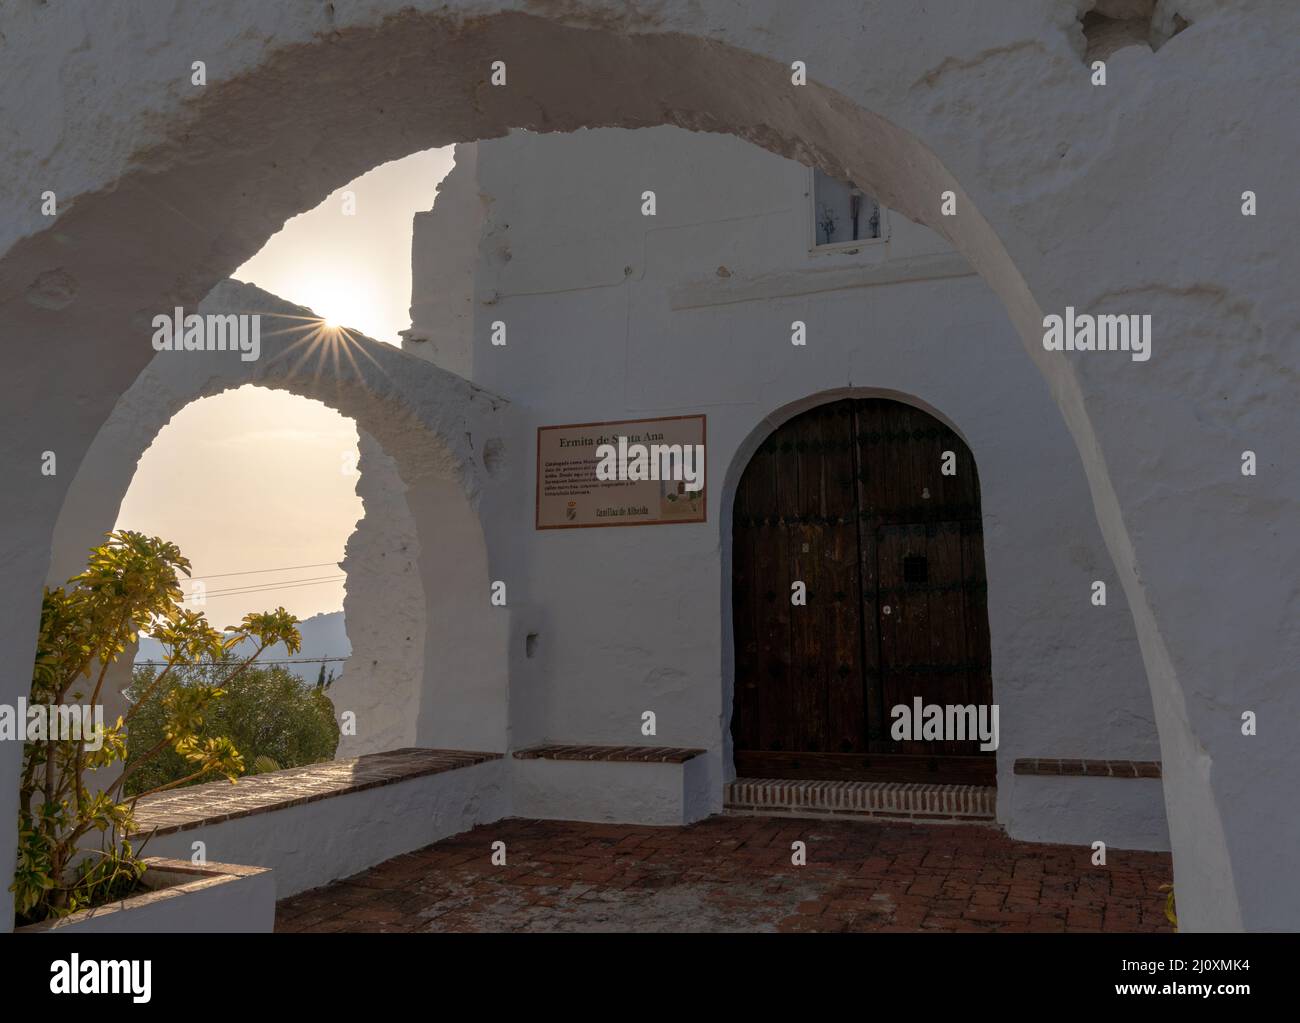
(428, 650)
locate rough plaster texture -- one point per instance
(1122, 198)
(442, 275)
(315, 843)
(904, 318)
(383, 679)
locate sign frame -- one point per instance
(704, 490)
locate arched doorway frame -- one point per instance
(770, 423)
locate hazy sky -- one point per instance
(260, 479)
(355, 270)
(252, 479)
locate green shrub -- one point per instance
(74, 848)
(265, 712)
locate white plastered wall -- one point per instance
(384, 610)
(701, 323)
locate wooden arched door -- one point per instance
(851, 499)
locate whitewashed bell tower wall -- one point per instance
(611, 314)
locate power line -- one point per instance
(300, 660)
(255, 571)
(267, 587)
(201, 599)
(242, 588)
(274, 585)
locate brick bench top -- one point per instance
(619, 754)
(1089, 768)
(196, 805)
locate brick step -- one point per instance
(771, 797)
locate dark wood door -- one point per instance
(850, 499)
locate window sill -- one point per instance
(713, 290)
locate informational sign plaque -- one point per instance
(632, 472)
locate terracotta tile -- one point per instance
(734, 873)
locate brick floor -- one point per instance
(735, 874)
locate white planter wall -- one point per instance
(216, 898)
(314, 843)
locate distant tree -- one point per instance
(267, 712)
(323, 681)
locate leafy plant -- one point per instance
(129, 586)
(270, 714)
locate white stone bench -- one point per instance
(312, 825)
(663, 785)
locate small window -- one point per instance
(843, 214)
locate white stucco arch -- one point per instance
(164, 192)
(426, 667)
